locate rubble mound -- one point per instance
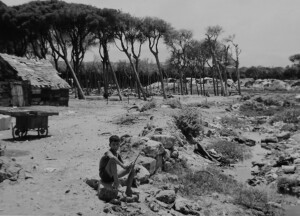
(9, 169)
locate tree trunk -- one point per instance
(181, 84)
(105, 79)
(214, 82)
(191, 85)
(113, 72)
(225, 81)
(116, 81)
(80, 92)
(161, 76)
(137, 79)
(220, 75)
(238, 77)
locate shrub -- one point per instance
(286, 185)
(288, 116)
(149, 105)
(231, 150)
(188, 120)
(251, 198)
(173, 103)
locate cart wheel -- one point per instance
(43, 132)
(19, 133)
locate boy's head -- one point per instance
(114, 142)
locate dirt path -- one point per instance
(59, 163)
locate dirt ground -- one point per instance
(77, 139)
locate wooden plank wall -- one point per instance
(47, 96)
(5, 93)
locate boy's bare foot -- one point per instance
(116, 185)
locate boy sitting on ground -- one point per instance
(108, 171)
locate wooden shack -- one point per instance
(25, 82)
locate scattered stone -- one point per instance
(2, 149)
(153, 206)
(168, 141)
(106, 192)
(245, 140)
(270, 140)
(142, 174)
(274, 204)
(9, 169)
(185, 206)
(296, 138)
(167, 155)
(282, 160)
(297, 161)
(93, 183)
(270, 177)
(175, 154)
(289, 127)
(148, 162)
(283, 135)
(153, 149)
(49, 170)
(168, 166)
(288, 169)
(166, 196)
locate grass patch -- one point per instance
(253, 109)
(173, 103)
(204, 104)
(189, 121)
(206, 182)
(231, 150)
(149, 105)
(291, 115)
(268, 101)
(126, 119)
(234, 122)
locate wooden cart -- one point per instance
(29, 120)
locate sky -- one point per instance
(267, 31)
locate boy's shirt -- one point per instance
(105, 158)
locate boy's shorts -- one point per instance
(105, 177)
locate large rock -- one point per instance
(168, 166)
(130, 145)
(186, 206)
(270, 139)
(4, 122)
(296, 138)
(106, 192)
(288, 169)
(168, 141)
(147, 162)
(9, 169)
(166, 196)
(2, 149)
(245, 140)
(142, 174)
(153, 148)
(283, 135)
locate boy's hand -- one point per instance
(128, 166)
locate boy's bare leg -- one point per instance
(129, 182)
(111, 169)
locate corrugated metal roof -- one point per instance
(40, 73)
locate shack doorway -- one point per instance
(17, 94)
